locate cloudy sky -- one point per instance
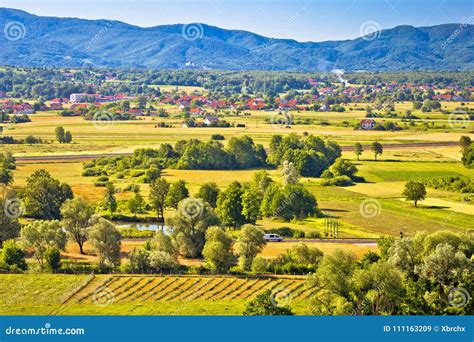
(303, 20)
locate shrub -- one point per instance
(53, 258)
(103, 179)
(89, 173)
(12, 256)
(337, 181)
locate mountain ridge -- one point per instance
(75, 42)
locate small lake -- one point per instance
(144, 226)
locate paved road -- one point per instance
(79, 157)
(365, 242)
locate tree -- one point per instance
(444, 265)
(289, 173)
(358, 149)
(158, 192)
(251, 200)
(141, 102)
(229, 205)
(465, 142)
(76, 216)
(164, 243)
(343, 167)
(12, 256)
(105, 239)
(52, 257)
(67, 137)
(60, 134)
(6, 175)
(249, 243)
(136, 203)
(468, 157)
(189, 226)
(152, 174)
(162, 262)
(42, 235)
(9, 212)
(265, 304)
(209, 192)
(377, 148)
(178, 191)
(261, 180)
(110, 202)
(217, 250)
(334, 273)
(45, 195)
(379, 289)
(245, 152)
(414, 191)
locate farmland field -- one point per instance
(142, 294)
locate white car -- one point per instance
(272, 237)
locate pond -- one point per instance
(153, 226)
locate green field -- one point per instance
(142, 294)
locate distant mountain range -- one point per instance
(31, 40)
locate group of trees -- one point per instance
(376, 147)
(47, 201)
(310, 154)
(467, 150)
(411, 276)
(62, 136)
(7, 164)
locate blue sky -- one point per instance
(303, 20)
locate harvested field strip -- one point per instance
(230, 289)
(88, 291)
(191, 295)
(157, 283)
(131, 289)
(190, 285)
(222, 292)
(219, 288)
(264, 285)
(248, 285)
(211, 283)
(143, 289)
(178, 286)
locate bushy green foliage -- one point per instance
(311, 155)
(105, 239)
(217, 250)
(265, 304)
(414, 275)
(44, 195)
(12, 257)
(41, 236)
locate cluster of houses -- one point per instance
(98, 98)
(19, 108)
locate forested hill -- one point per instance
(31, 40)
